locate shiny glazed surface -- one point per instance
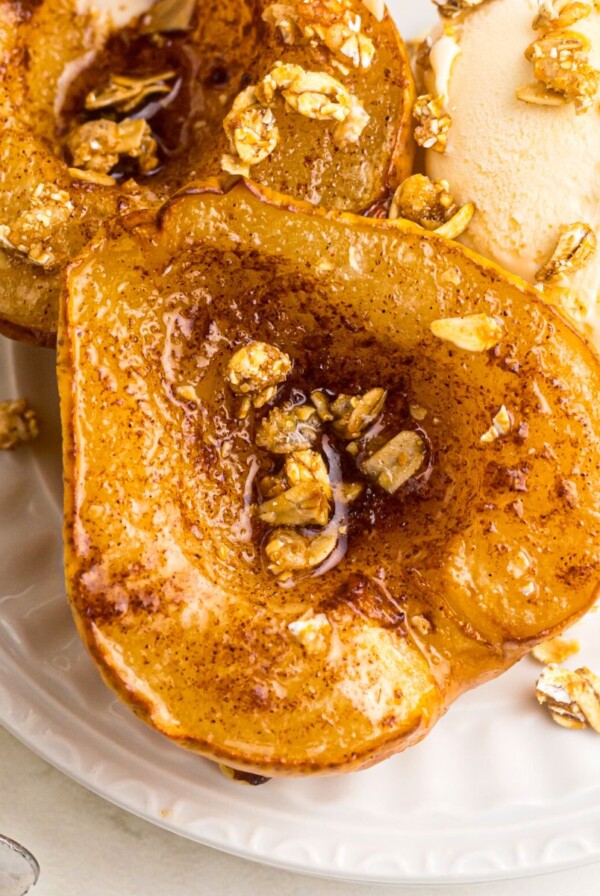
(162, 553)
(52, 57)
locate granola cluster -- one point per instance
(251, 127)
(431, 205)
(560, 58)
(99, 145)
(300, 501)
(571, 697)
(332, 23)
(432, 122)
(33, 232)
(18, 424)
(577, 244)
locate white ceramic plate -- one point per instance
(495, 791)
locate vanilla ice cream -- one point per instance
(529, 169)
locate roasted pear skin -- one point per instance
(442, 586)
(228, 46)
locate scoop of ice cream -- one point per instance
(530, 169)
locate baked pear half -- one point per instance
(314, 97)
(323, 474)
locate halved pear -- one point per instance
(433, 590)
(52, 57)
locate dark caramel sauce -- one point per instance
(200, 91)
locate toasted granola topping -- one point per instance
(455, 9)
(92, 177)
(301, 467)
(558, 14)
(321, 402)
(422, 625)
(98, 145)
(288, 552)
(313, 631)
(558, 650)
(398, 461)
(32, 232)
(538, 95)
(433, 122)
(426, 202)
(458, 223)
(333, 23)
(576, 245)
(572, 698)
(251, 129)
(473, 333)
(561, 65)
(251, 125)
(353, 414)
(125, 92)
(288, 429)
(501, 426)
(305, 504)
(257, 370)
(316, 95)
(18, 423)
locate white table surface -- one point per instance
(88, 847)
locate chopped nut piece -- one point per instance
(92, 177)
(418, 412)
(285, 18)
(168, 15)
(555, 651)
(501, 426)
(32, 232)
(433, 122)
(353, 414)
(289, 429)
(18, 423)
(397, 462)
(305, 504)
(538, 95)
(561, 64)
(473, 333)
(256, 370)
(98, 145)
(251, 129)
(454, 9)
(573, 698)
(576, 245)
(307, 466)
(426, 202)
(321, 402)
(313, 631)
(300, 467)
(125, 92)
(422, 625)
(288, 551)
(349, 491)
(457, 225)
(558, 14)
